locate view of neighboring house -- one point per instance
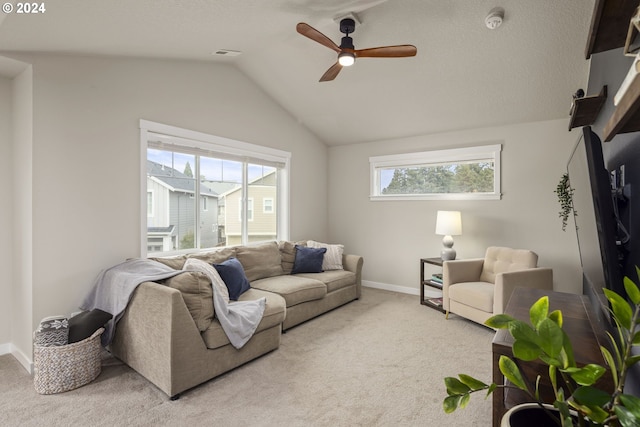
(261, 211)
(171, 211)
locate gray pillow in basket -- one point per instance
(83, 325)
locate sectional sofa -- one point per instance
(170, 335)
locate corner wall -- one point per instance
(6, 240)
(392, 236)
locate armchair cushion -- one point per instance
(474, 294)
(501, 260)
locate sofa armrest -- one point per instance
(459, 271)
(156, 334)
(538, 278)
(354, 264)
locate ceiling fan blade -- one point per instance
(331, 73)
(315, 35)
(387, 52)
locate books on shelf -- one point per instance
(436, 278)
(436, 301)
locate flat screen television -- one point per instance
(595, 220)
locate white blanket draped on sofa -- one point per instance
(113, 287)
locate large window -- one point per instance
(198, 184)
(462, 173)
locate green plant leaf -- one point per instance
(568, 351)
(611, 363)
(472, 383)
(464, 400)
(556, 316)
(539, 311)
(636, 337)
(522, 331)
(455, 386)
(625, 417)
(499, 321)
(450, 403)
(551, 337)
(632, 403)
(632, 290)
(587, 375)
(491, 389)
(526, 350)
(511, 372)
(621, 309)
(632, 360)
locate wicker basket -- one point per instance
(66, 367)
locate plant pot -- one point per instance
(530, 415)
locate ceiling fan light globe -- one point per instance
(346, 59)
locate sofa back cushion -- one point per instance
(216, 256)
(195, 287)
(288, 254)
(260, 261)
(501, 260)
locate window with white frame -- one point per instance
(181, 167)
(455, 174)
(267, 205)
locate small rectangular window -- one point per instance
(267, 205)
(455, 174)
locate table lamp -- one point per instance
(448, 223)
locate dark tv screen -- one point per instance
(595, 220)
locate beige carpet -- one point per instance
(378, 361)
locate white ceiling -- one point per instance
(464, 75)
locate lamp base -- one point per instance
(447, 253)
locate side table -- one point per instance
(433, 302)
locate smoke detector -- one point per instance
(494, 18)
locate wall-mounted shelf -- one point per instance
(626, 117)
(609, 25)
(586, 109)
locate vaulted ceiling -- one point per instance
(464, 75)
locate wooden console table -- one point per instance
(580, 323)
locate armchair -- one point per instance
(479, 288)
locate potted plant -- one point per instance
(578, 401)
(565, 198)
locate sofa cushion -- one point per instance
(274, 313)
(176, 262)
(232, 274)
(288, 254)
(195, 288)
(473, 294)
(332, 258)
(294, 289)
(218, 285)
(333, 279)
(260, 261)
(216, 256)
(308, 260)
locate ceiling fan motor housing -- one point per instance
(347, 26)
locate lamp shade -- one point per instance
(449, 223)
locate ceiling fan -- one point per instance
(347, 54)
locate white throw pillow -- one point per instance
(332, 258)
(195, 264)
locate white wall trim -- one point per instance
(8, 348)
(392, 288)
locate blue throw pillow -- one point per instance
(233, 276)
(308, 260)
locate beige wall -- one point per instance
(85, 174)
(392, 236)
(5, 212)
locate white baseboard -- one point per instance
(393, 288)
(9, 348)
